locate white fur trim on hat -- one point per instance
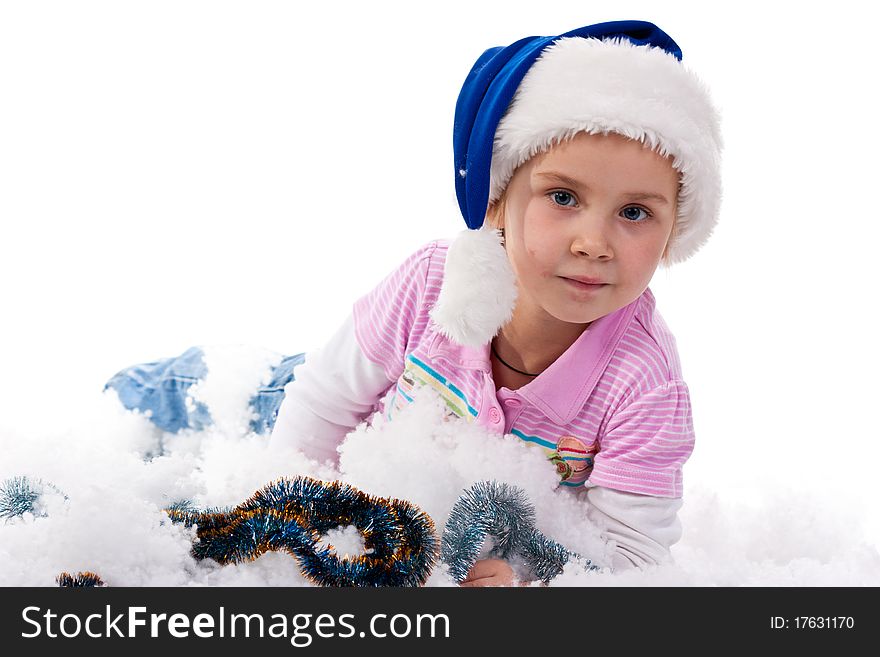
(641, 92)
(479, 288)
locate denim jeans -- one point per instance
(161, 388)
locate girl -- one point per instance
(581, 162)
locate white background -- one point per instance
(180, 173)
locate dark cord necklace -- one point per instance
(508, 366)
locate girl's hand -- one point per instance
(490, 572)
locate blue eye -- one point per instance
(564, 199)
(633, 214)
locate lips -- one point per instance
(578, 284)
(585, 279)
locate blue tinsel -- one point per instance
(293, 514)
(490, 508)
(20, 495)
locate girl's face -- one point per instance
(596, 206)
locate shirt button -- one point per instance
(512, 403)
(494, 415)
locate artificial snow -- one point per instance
(116, 472)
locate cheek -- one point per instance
(539, 245)
(643, 250)
(651, 248)
(638, 259)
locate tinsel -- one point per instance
(80, 580)
(20, 495)
(293, 514)
(503, 512)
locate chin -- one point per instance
(578, 317)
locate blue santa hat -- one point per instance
(623, 77)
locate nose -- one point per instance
(591, 239)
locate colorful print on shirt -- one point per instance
(417, 374)
(572, 457)
(574, 460)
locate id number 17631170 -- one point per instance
(812, 623)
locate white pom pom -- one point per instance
(479, 289)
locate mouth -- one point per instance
(582, 285)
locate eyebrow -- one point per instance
(571, 182)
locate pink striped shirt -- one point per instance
(611, 411)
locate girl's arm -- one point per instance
(643, 527)
(643, 449)
(339, 386)
(334, 390)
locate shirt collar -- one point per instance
(561, 390)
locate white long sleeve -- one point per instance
(642, 527)
(335, 389)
